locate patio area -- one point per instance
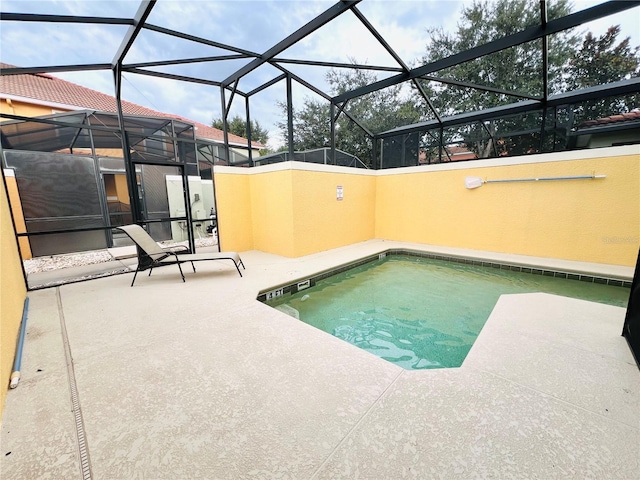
(200, 380)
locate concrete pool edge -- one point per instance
(518, 423)
(589, 273)
(527, 334)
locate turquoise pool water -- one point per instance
(420, 313)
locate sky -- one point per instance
(251, 25)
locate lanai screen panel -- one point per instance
(58, 192)
(155, 200)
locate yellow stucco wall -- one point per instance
(291, 209)
(25, 109)
(18, 217)
(272, 212)
(234, 210)
(110, 187)
(320, 221)
(584, 220)
(122, 190)
(116, 187)
(13, 292)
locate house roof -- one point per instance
(633, 115)
(460, 152)
(453, 153)
(47, 88)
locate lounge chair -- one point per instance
(151, 255)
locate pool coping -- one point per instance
(307, 281)
(553, 367)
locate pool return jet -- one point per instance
(475, 182)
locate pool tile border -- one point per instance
(292, 288)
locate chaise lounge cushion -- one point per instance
(152, 255)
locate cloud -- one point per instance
(251, 25)
(96, 8)
(32, 44)
(629, 22)
(404, 24)
(100, 80)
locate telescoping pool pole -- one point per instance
(15, 375)
(475, 182)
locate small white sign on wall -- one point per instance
(339, 192)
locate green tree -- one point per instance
(599, 60)
(238, 126)
(602, 60)
(517, 69)
(311, 126)
(378, 111)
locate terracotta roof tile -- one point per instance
(621, 117)
(47, 88)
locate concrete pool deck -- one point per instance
(199, 380)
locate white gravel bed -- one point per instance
(58, 262)
(55, 283)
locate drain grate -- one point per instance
(83, 450)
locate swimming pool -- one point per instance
(418, 312)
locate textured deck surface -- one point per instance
(199, 380)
